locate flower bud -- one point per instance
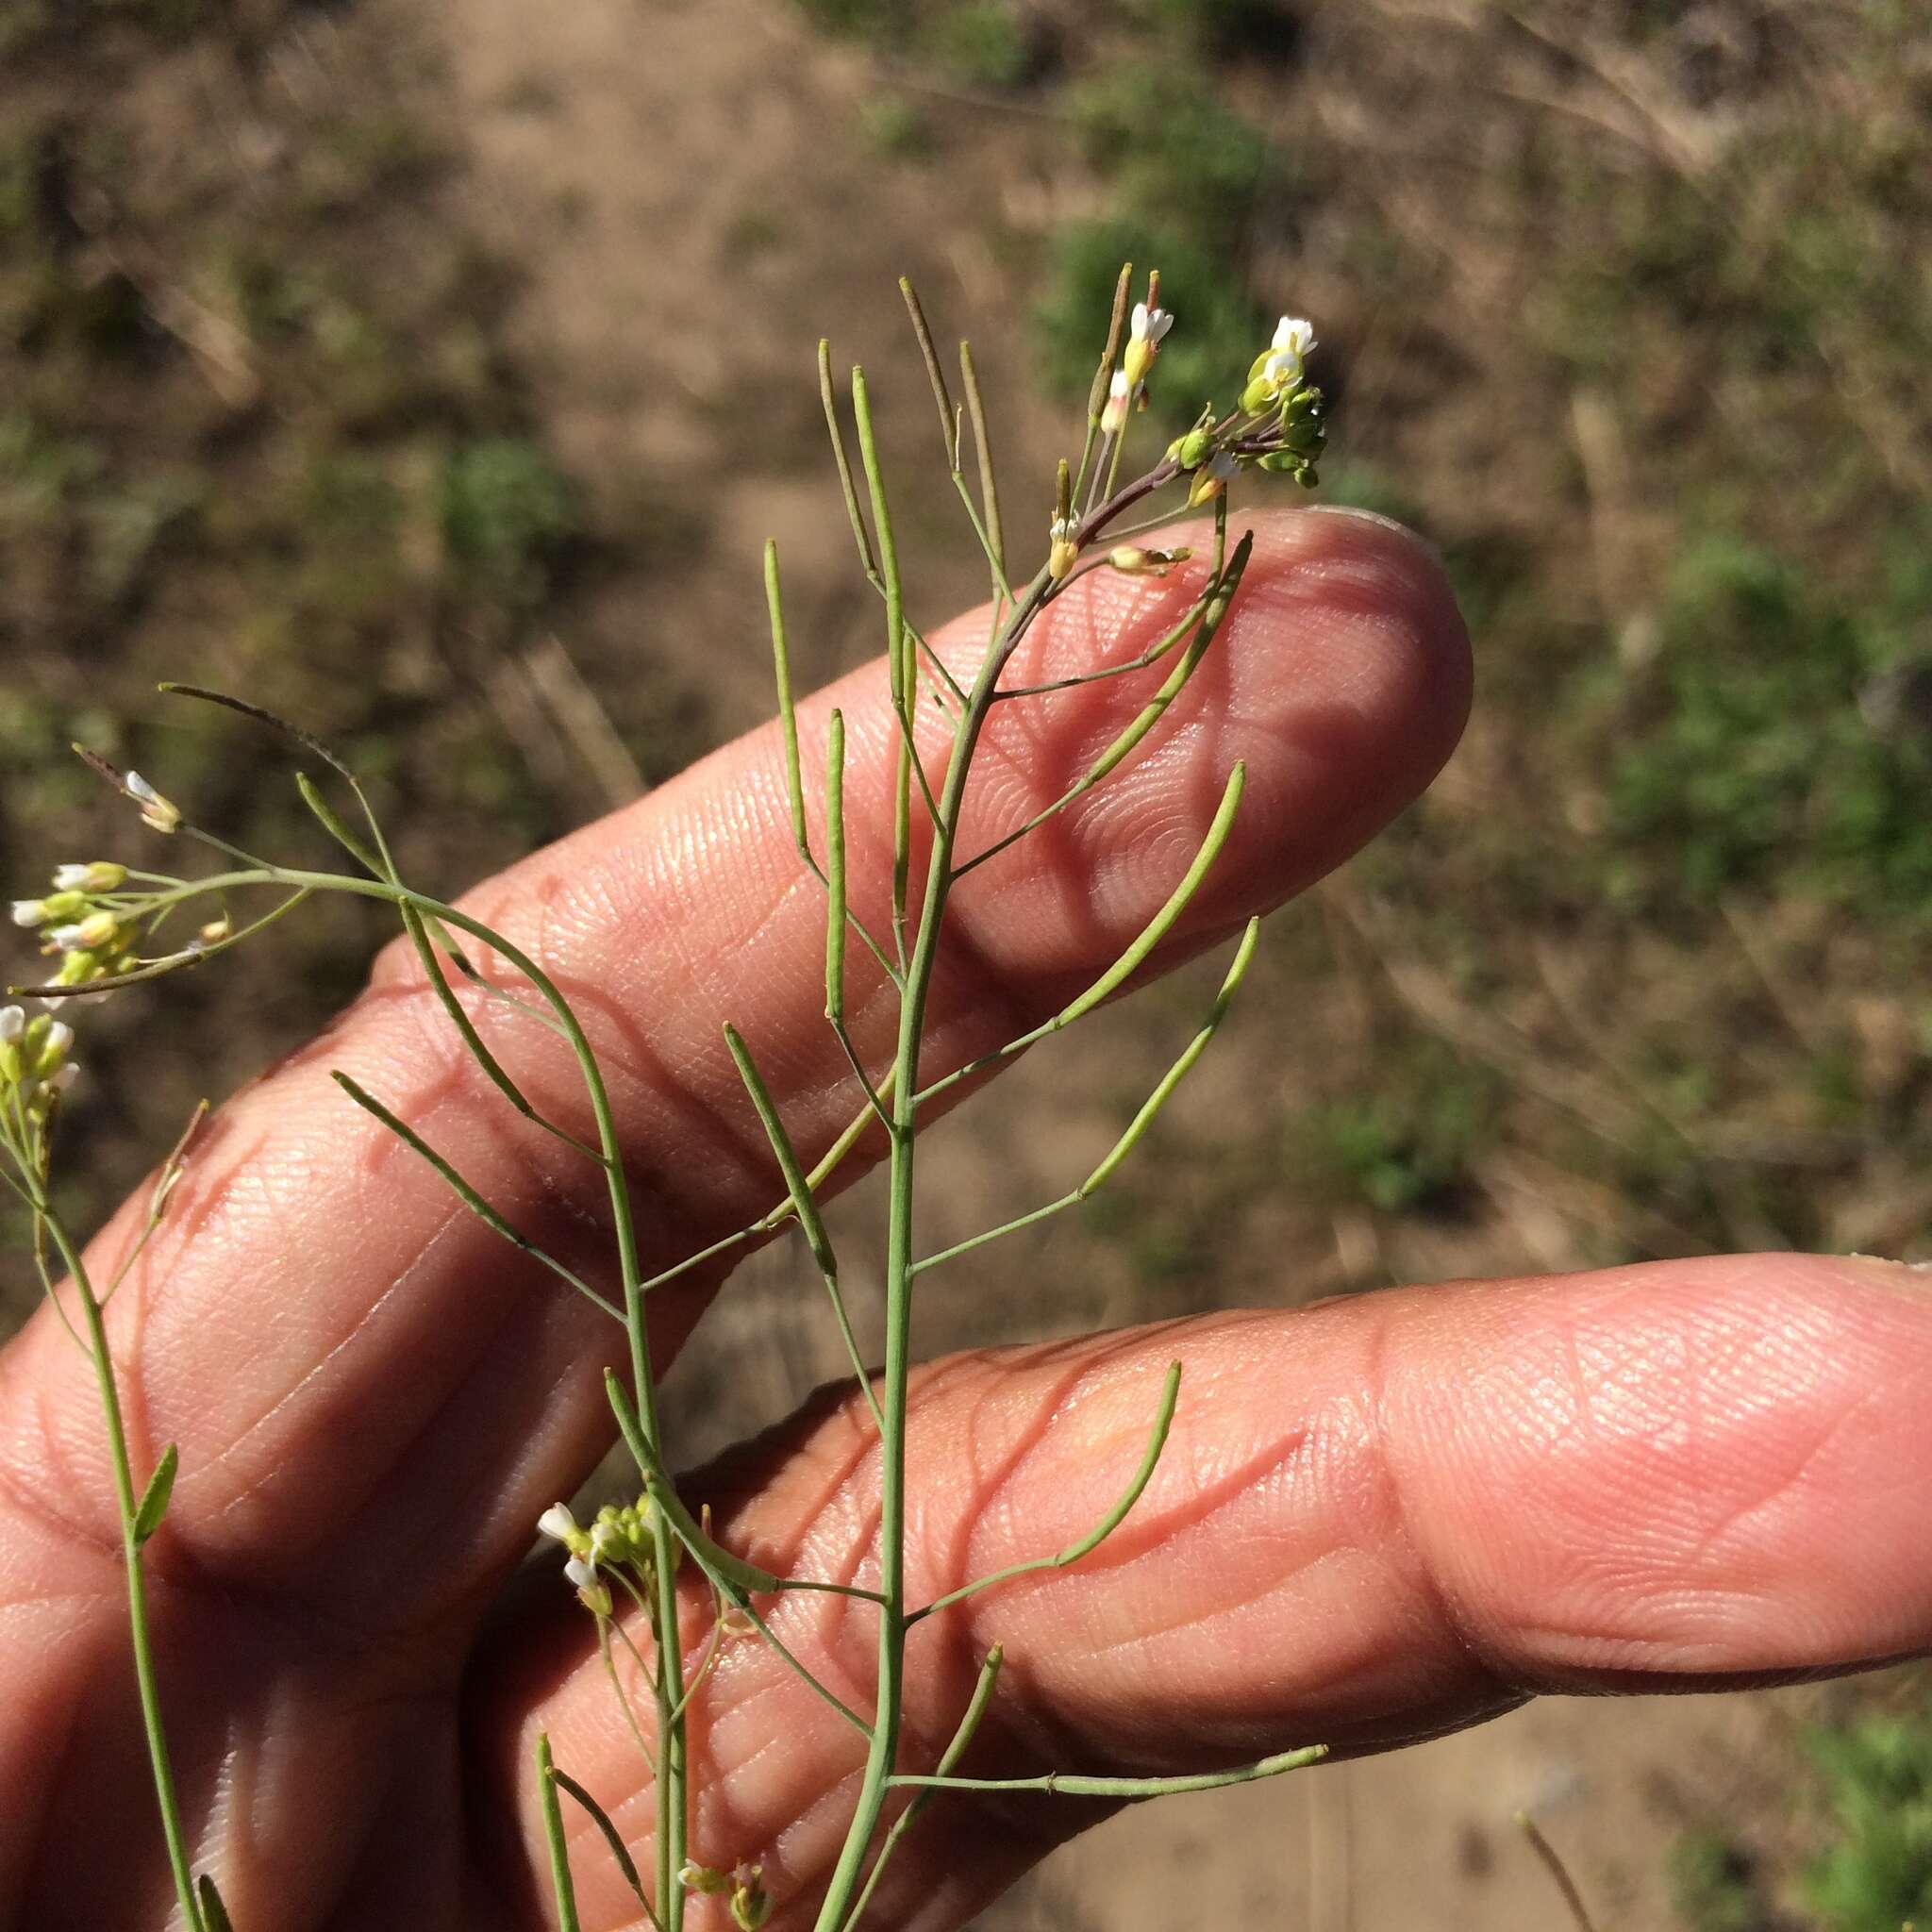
(1062, 557)
(1212, 480)
(99, 875)
(52, 1046)
(1195, 447)
(1113, 416)
(160, 813)
(751, 1904)
(1149, 323)
(701, 1878)
(1131, 560)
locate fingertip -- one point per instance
(1371, 620)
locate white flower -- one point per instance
(1149, 325)
(29, 911)
(1113, 417)
(13, 1023)
(59, 1038)
(558, 1524)
(1294, 338)
(580, 1565)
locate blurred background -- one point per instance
(434, 377)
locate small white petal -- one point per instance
(557, 1522)
(70, 939)
(13, 1023)
(72, 879)
(29, 911)
(1295, 334)
(580, 1572)
(59, 1038)
(1117, 389)
(139, 787)
(1136, 326)
(63, 1078)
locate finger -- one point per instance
(351, 1364)
(1375, 1521)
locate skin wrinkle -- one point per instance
(34, 1506)
(1437, 1596)
(368, 1318)
(989, 1492)
(1206, 1530)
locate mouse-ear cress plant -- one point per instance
(105, 925)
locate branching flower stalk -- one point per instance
(104, 922)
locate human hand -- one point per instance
(1374, 1519)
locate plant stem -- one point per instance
(881, 1758)
(126, 1498)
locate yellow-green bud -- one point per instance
(1133, 561)
(98, 875)
(701, 1878)
(1210, 481)
(1258, 394)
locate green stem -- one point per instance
(1077, 1785)
(125, 1497)
(900, 1265)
